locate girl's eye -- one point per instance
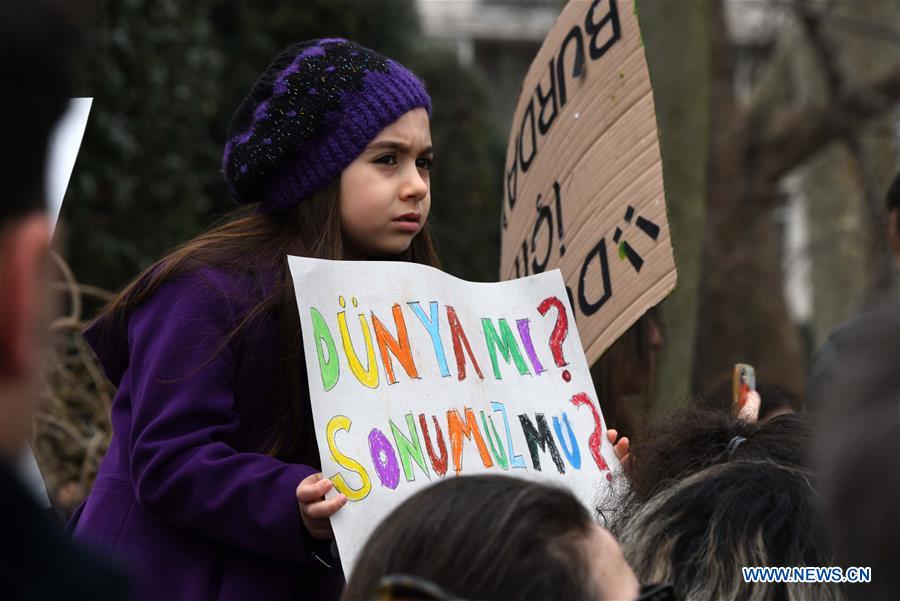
(425, 163)
(387, 159)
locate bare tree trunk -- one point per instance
(744, 314)
(681, 94)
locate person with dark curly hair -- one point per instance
(685, 441)
(701, 530)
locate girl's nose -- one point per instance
(415, 186)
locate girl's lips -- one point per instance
(408, 222)
(406, 225)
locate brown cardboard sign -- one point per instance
(583, 185)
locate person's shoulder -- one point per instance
(867, 328)
(862, 344)
(208, 289)
(205, 301)
(206, 281)
(38, 561)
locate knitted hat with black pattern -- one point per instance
(310, 114)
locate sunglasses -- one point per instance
(397, 587)
(656, 592)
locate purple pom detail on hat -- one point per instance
(259, 113)
(363, 116)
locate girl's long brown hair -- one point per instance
(257, 244)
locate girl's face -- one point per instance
(386, 192)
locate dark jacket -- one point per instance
(38, 561)
(860, 360)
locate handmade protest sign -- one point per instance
(65, 142)
(415, 375)
(583, 185)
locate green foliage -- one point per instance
(142, 179)
(166, 77)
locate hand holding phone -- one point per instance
(743, 381)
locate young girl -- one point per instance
(210, 488)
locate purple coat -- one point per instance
(183, 494)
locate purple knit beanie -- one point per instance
(309, 115)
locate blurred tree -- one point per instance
(469, 155)
(681, 92)
(250, 34)
(146, 163)
(166, 77)
(745, 315)
(850, 43)
(784, 122)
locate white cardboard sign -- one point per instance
(415, 375)
(65, 142)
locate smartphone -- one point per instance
(743, 380)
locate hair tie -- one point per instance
(733, 445)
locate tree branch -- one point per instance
(796, 133)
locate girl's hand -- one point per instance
(315, 510)
(620, 447)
